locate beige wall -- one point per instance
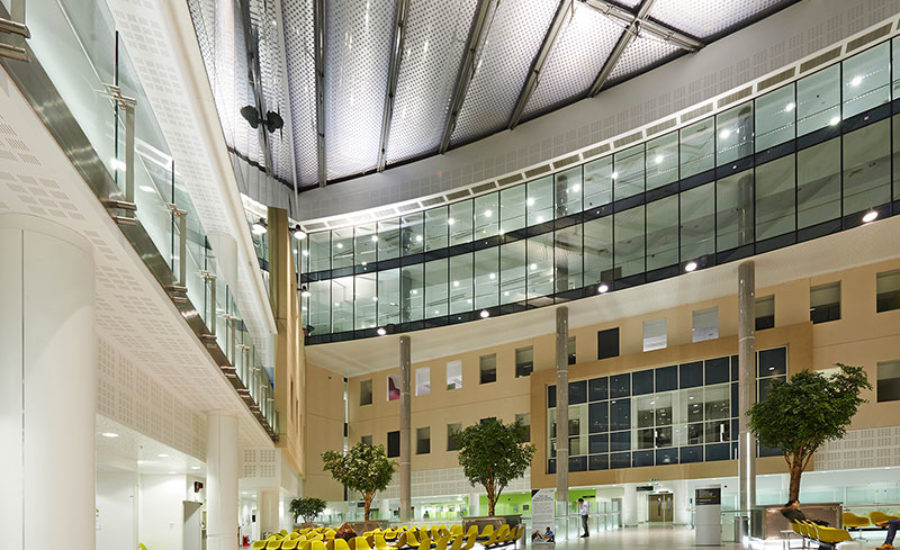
(324, 430)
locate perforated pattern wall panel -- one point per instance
(873, 448)
(640, 54)
(435, 39)
(705, 18)
(513, 38)
(299, 48)
(583, 45)
(357, 60)
(243, 137)
(446, 481)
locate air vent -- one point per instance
(775, 79)
(697, 113)
(543, 169)
(661, 127)
(509, 179)
(565, 162)
(857, 43)
(387, 213)
(598, 150)
(315, 227)
(343, 222)
(622, 142)
(457, 195)
(408, 207)
(433, 201)
(736, 96)
(810, 64)
(483, 188)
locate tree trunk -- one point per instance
(796, 472)
(490, 496)
(368, 504)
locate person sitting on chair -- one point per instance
(536, 536)
(549, 536)
(892, 526)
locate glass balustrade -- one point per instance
(800, 161)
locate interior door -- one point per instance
(660, 508)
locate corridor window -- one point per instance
(825, 303)
(423, 381)
(367, 439)
(608, 343)
(765, 312)
(888, 381)
(423, 440)
(888, 290)
(654, 334)
(706, 325)
(452, 431)
(365, 392)
(525, 420)
(393, 444)
(570, 351)
(524, 361)
(454, 375)
(488, 367)
(393, 387)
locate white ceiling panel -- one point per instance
(357, 60)
(642, 53)
(581, 49)
(297, 16)
(514, 36)
(706, 18)
(436, 35)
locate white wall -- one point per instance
(162, 511)
(115, 502)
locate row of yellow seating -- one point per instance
(401, 538)
(827, 536)
(853, 521)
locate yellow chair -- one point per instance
(284, 533)
(141, 546)
(274, 544)
(473, 529)
(289, 544)
(457, 543)
(487, 532)
(329, 535)
(471, 539)
(441, 543)
(304, 544)
(359, 543)
(832, 535)
(411, 541)
(317, 545)
(456, 530)
(259, 545)
(341, 544)
(880, 517)
(424, 539)
(391, 534)
(380, 542)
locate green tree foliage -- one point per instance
(492, 454)
(364, 468)
(799, 416)
(307, 508)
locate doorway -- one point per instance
(660, 508)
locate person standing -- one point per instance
(584, 509)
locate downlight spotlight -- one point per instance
(690, 266)
(485, 314)
(304, 291)
(298, 233)
(603, 288)
(870, 216)
(259, 227)
(381, 331)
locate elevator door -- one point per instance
(660, 508)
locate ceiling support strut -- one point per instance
(393, 76)
(319, 46)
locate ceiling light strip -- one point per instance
(466, 70)
(563, 11)
(393, 75)
(319, 37)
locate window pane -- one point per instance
(524, 361)
(867, 80)
(698, 218)
(388, 239)
(540, 266)
(662, 237)
(867, 168)
(888, 386)
(662, 160)
(461, 283)
(629, 247)
(342, 313)
(896, 141)
(775, 198)
(436, 228)
(487, 282)
(423, 381)
(569, 258)
(775, 113)
(608, 343)
(366, 245)
(320, 306)
(706, 326)
(365, 392)
(734, 220)
(412, 234)
(319, 251)
(423, 440)
(512, 272)
(512, 209)
(654, 334)
(895, 54)
(888, 290)
(598, 258)
(393, 444)
(568, 192)
(697, 148)
(598, 183)
(765, 312)
(366, 301)
(629, 172)
(487, 365)
(452, 430)
(735, 137)
(461, 222)
(487, 215)
(388, 296)
(342, 248)
(454, 375)
(540, 201)
(818, 100)
(825, 303)
(436, 288)
(819, 183)
(412, 293)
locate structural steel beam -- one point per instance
(393, 75)
(565, 9)
(466, 70)
(285, 91)
(319, 37)
(251, 49)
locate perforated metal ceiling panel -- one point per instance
(705, 18)
(581, 49)
(436, 36)
(503, 60)
(643, 52)
(357, 58)
(299, 48)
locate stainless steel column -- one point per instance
(405, 417)
(562, 410)
(746, 384)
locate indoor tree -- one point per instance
(364, 468)
(799, 416)
(493, 454)
(307, 508)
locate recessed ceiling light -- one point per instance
(690, 266)
(488, 213)
(835, 120)
(172, 473)
(259, 227)
(381, 331)
(195, 467)
(870, 216)
(110, 435)
(789, 107)
(485, 314)
(856, 81)
(450, 221)
(603, 288)
(530, 201)
(725, 134)
(298, 233)
(163, 455)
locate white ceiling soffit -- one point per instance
(120, 448)
(511, 39)
(860, 246)
(707, 18)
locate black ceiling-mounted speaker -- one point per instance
(198, 485)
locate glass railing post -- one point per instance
(15, 25)
(180, 219)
